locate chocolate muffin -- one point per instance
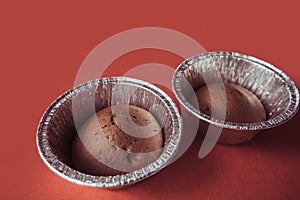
(242, 105)
(118, 139)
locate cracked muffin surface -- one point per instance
(116, 140)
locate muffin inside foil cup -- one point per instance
(276, 91)
(66, 114)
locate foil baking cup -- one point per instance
(57, 127)
(276, 91)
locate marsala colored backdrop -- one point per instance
(43, 44)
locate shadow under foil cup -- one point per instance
(59, 123)
(276, 91)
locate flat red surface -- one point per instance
(43, 44)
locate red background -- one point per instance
(43, 44)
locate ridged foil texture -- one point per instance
(276, 91)
(57, 129)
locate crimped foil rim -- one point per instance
(291, 110)
(117, 181)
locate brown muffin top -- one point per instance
(242, 105)
(117, 139)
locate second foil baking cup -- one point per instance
(276, 91)
(57, 127)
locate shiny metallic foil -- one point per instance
(57, 128)
(277, 92)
